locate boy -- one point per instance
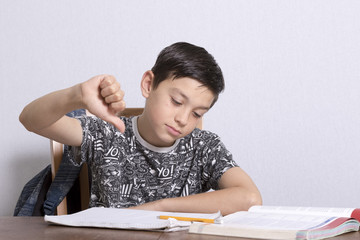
(158, 160)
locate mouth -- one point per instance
(173, 131)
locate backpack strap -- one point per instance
(30, 195)
(65, 177)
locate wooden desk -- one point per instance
(35, 228)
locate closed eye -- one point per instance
(175, 102)
(196, 115)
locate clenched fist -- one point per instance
(103, 97)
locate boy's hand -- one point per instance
(103, 97)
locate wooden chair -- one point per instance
(56, 152)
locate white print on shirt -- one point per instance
(165, 172)
(113, 153)
(124, 172)
(126, 190)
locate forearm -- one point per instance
(44, 111)
(101, 95)
(226, 201)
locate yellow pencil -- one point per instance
(191, 219)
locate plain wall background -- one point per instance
(290, 113)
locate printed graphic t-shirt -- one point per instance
(127, 171)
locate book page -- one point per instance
(314, 211)
(277, 226)
(275, 221)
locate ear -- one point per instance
(146, 83)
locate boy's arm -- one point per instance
(101, 95)
(237, 193)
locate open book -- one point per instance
(267, 222)
(128, 219)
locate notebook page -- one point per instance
(123, 219)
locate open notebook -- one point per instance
(127, 219)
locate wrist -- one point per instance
(74, 96)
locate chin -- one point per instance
(167, 142)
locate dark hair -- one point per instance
(186, 60)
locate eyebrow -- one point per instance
(178, 91)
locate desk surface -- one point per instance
(35, 228)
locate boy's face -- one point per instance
(173, 110)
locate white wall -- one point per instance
(290, 112)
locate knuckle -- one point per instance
(107, 100)
(117, 97)
(103, 92)
(111, 88)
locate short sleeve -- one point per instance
(84, 153)
(217, 160)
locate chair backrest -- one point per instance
(56, 150)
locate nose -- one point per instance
(182, 118)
